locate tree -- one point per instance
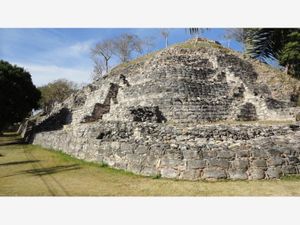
(56, 91)
(101, 54)
(238, 34)
(18, 95)
(196, 31)
(165, 33)
(278, 44)
(148, 43)
(125, 45)
(290, 55)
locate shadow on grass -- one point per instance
(52, 170)
(11, 139)
(46, 171)
(18, 162)
(19, 142)
(9, 135)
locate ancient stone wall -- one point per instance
(166, 114)
(198, 152)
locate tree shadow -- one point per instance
(46, 171)
(52, 170)
(13, 141)
(18, 162)
(9, 135)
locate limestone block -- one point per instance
(273, 173)
(256, 173)
(169, 173)
(289, 169)
(190, 154)
(214, 173)
(226, 155)
(141, 149)
(196, 164)
(190, 174)
(241, 164)
(237, 174)
(275, 161)
(259, 163)
(222, 163)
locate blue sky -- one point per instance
(50, 54)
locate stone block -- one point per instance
(242, 153)
(196, 164)
(141, 149)
(297, 117)
(171, 162)
(273, 173)
(189, 154)
(190, 175)
(169, 173)
(237, 174)
(259, 163)
(126, 147)
(226, 155)
(293, 160)
(241, 164)
(289, 169)
(214, 173)
(256, 174)
(222, 163)
(259, 153)
(149, 171)
(275, 161)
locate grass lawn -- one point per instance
(27, 170)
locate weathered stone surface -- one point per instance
(240, 164)
(151, 117)
(256, 174)
(237, 174)
(273, 172)
(214, 173)
(289, 169)
(169, 173)
(222, 163)
(259, 163)
(190, 175)
(275, 161)
(298, 117)
(226, 154)
(196, 164)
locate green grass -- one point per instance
(28, 170)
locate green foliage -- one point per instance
(56, 91)
(290, 54)
(18, 95)
(280, 44)
(157, 176)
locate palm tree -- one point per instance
(272, 43)
(196, 31)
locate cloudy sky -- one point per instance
(50, 54)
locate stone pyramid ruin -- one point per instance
(195, 110)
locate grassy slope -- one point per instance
(27, 170)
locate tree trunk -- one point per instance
(106, 65)
(287, 68)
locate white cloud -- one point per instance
(80, 47)
(43, 74)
